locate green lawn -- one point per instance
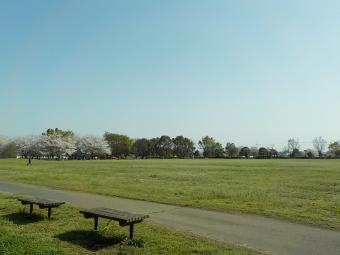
(304, 190)
(69, 233)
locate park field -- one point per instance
(68, 233)
(306, 191)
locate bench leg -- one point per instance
(95, 223)
(49, 212)
(31, 209)
(131, 231)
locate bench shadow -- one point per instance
(20, 218)
(90, 240)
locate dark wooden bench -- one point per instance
(42, 203)
(124, 218)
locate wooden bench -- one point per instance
(42, 203)
(124, 218)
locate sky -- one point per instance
(249, 72)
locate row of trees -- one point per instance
(162, 147)
(213, 149)
(57, 143)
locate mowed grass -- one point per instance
(69, 233)
(301, 190)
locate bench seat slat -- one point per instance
(41, 202)
(113, 214)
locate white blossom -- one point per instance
(92, 146)
(25, 145)
(55, 146)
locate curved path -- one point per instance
(257, 232)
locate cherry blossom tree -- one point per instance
(26, 145)
(90, 147)
(56, 146)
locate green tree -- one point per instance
(57, 131)
(295, 153)
(309, 154)
(208, 145)
(231, 150)
(141, 147)
(121, 145)
(219, 151)
(164, 147)
(153, 146)
(183, 147)
(263, 153)
(244, 152)
(335, 148)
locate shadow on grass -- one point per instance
(20, 218)
(90, 240)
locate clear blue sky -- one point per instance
(252, 72)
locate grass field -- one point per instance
(69, 233)
(301, 190)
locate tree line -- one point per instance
(65, 144)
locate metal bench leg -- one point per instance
(131, 230)
(31, 209)
(49, 213)
(95, 223)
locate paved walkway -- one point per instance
(261, 233)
